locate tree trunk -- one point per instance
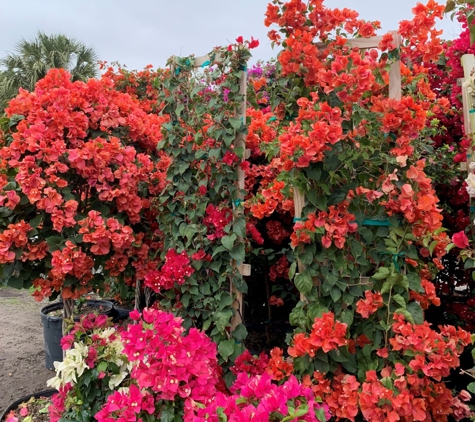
(68, 313)
(138, 295)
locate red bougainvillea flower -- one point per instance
(368, 306)
(176, 268)
(460, 240)
(327, 334)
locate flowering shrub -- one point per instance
(408, 386)
(256, 398)
(79, 163)
(175, 376)
(93, 367)
(200, 213)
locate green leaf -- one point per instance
(240, 332)
(292, 270)
(406, 314)
(314, 173)
(54, 243)
(35, 222)
(304, 283)
(347, 316)
(297, 317)
(239, 227)
(450, 6)
(226, 349)
(415, 282)
(238, 252)
(226, 301)
(182, 167)
(416, 311)
(387, 286)
(338, 356)
(337, 196)
(381, 274)
(400, 301)
(471, 387)
(322, 202)
(335, 293)
(228, 241)
(235, 123)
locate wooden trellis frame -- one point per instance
(395, 89)
(239, 142)
(468, 101)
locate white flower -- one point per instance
(106, 333)
(116, 379)
(54, 382)
(72, 366)
(470, 180)
(472, 165)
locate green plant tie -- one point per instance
(297, 219)
(272, 119)
(395, 257)
(378, 223)
(206, 63)
(238, 202)
(177, 71)
(244, 68)
(394, 54)
(472, 111)
(472, 208)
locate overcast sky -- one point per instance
(141, 32)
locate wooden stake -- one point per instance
(468, 63)
(395, 72)
(299, 203)
(240, 142)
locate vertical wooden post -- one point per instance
(395, 72)
(468, 99)
(299, 203)
(240, 142)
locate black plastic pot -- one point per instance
(15, 404)
(53, 329)
(119, 314)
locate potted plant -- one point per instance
(33, 407)
(52, 321)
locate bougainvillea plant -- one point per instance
(155, 370)
(93, 367)
(79, 164)
(199, 212)
(370, 210)
(361, 255)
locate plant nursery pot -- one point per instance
(15, 404)
(119, 313)
(53, 328)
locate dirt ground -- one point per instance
(22, 357)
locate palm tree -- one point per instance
(32, 60)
